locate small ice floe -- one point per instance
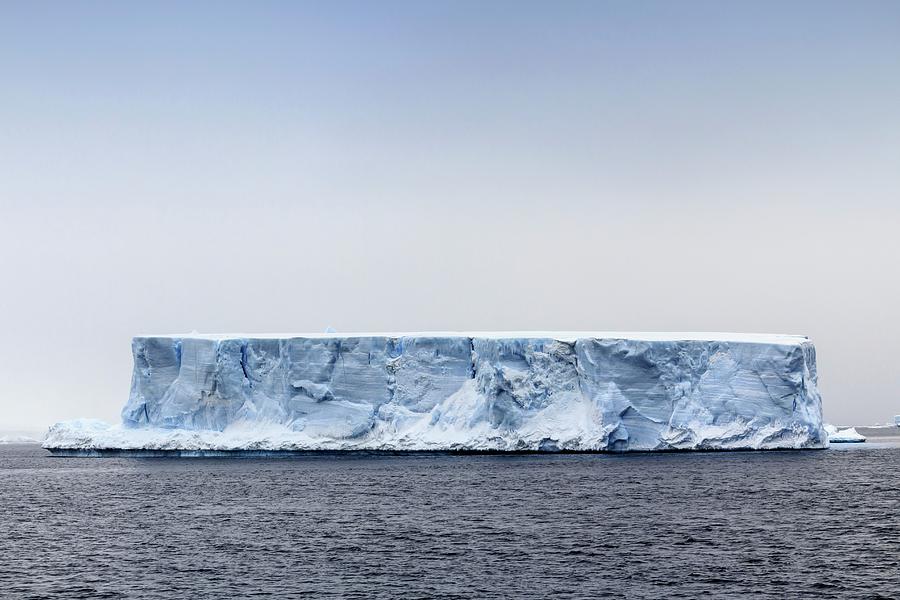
(848, 435)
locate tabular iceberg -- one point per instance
(461, 391)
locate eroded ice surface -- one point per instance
(462, 391)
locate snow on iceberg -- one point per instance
(463, 391)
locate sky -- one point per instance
(378, 166)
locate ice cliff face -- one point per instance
(551, 392)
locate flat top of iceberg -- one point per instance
(565, 336)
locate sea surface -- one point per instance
(817, 524)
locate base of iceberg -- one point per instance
(499, 392)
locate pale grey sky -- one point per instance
(404, 166)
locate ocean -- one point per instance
(816, 523)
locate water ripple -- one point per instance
(731, 525)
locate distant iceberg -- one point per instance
(18, 438)
(463, 392)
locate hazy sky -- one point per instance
(269, 166)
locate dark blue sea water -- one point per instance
(818, 524)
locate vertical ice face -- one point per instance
(695, 388)
(336, 393)
(489, 391)
(521, 377)
(157, 362)
(426, 371)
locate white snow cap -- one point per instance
(563, 336)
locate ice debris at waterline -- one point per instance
(848, 435)
(461, 391)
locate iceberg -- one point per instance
(18, 438)
(550, 392)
